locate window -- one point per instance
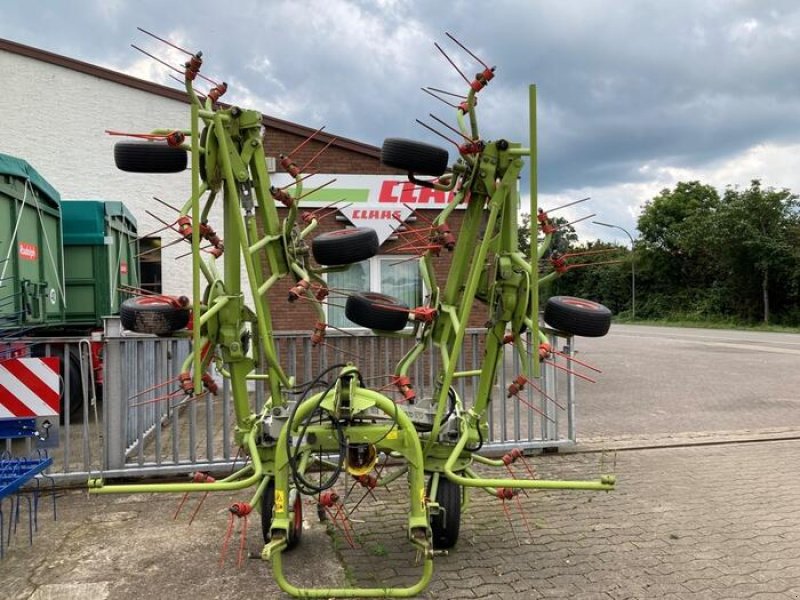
(393, 275)
(150, 264)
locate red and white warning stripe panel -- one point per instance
(29, 387)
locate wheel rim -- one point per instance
(151, 301)
(581, 303)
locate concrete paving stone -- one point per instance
(705, 573)
(446, 593)
(561, 592)
(763, 592)
(700, 595)
(523, 590)
(769, 574)
(570, 579)
(470, 582)
(657, 590)
(591, 596)
(493, 590)
(629, 589)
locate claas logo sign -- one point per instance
(367, 192)
(405, 192)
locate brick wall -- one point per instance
(333, 160)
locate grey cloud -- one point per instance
(621, 84)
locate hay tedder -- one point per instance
(315, 435)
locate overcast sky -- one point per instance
(634, 96)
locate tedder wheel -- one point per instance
(418, 158)
(152, 314)
(345, 246)
(376, 311)
(295, 516)
(149, 157)
(445, 526)
(577, 316)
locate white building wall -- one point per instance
(55, 118)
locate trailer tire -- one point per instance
(577, 316)
(146, 314)
(446, 525)
(415, 157)
(376, 311)
(295, 514)
(149, 157)
(345, 246)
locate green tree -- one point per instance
(677, 269)
(757, 237)
(674, 227)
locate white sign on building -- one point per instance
(381, 202)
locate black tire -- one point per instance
(345, 246)
(376, 311)
(577, 316)
(209, 157)
(149, 157)
(446, 525)
(147, 314)
(418, 158)
(296, 514)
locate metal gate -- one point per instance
(135, 427)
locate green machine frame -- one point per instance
(300, 428)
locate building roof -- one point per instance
(166, 92)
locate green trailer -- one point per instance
(100, 251)
(32, 291)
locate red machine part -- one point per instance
(328, 499)
(175, 139)
(512, 456)
(517, 386)
(403, 384)
(217, 91)
(482, 79)
(299, 289)
(424, 314)
(471, 147)
(289, 166)
(319, 334)
(210, 384)
(282, 197)
(240, 510)
(368, 480)
(96, 348)
(545, 222)
(193, 66)
(445, 235)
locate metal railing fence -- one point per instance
(136, 425)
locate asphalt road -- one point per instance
(666, 380)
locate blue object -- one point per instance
(14, 473)
(17, 428)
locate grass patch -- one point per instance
(687, 322)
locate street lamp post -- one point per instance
(633, 265)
